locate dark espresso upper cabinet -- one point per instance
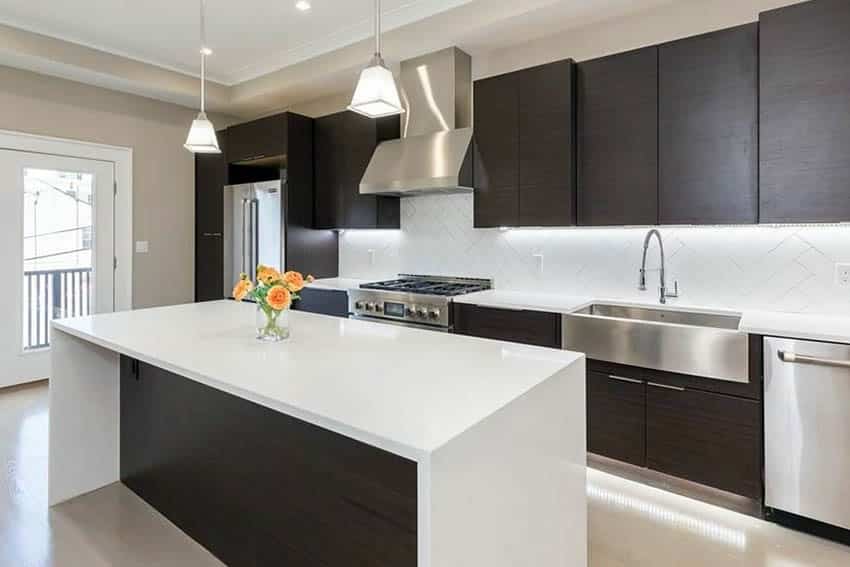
(344, 143)
(805, 113)
(524, 165)
(547, 172)
(496, 158)
(618, 139)
(708, 128)
(258, 139)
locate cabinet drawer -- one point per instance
(616, 417)
(712, 439)
(323, 301)
(527, 327)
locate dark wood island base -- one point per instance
(260, 488)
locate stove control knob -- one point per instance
(360, 305)
(378, 308)
(422, 312)
(434, 313)
(410, 311)
(370, 306)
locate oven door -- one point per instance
(408, 324)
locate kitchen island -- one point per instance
(353, 443)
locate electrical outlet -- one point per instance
(539, 259)
(142, 247)
(842, 275)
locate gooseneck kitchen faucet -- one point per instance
(664, 294)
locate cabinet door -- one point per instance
(527, 327)
(805, 113)
(547, 145)
(210, 179)
(360, 135)
(344, 144)
(616, 417)
(708, 128)
(257, 139)
(708, 438)
(329, 153)
(496, 158)
(618, 139)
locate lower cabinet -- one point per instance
(676, 425)
(616, 417)
(323, 301)
(526, 327)
(709, 438)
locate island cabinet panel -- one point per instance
(322, 301)
(618, 139)
(210, 179)
(526, 327)
(524, 166)
(805, 113)
(616, 417)
(709, 438)
(344, 144)
(708, 128)
(258, 139)
(257, 487)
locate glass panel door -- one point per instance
(57, 245)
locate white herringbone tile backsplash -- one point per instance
(785, 268)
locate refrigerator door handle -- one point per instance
(255, 234)
(245, 239)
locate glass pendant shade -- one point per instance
(202, 138)
(376, 94)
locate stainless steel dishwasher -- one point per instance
(807, 430)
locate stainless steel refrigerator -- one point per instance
(253, 229)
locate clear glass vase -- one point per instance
(272, 326)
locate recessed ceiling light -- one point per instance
(303, 5)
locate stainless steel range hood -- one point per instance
(434, 154)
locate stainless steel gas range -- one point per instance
(412, 300)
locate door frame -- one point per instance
(122, 158)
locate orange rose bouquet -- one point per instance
(273, 293)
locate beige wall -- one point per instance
(163, 172)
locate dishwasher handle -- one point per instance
(792, 357)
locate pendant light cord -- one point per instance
(203, 56)
(378, 29)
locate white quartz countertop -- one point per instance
(408, 391)
(770, 323)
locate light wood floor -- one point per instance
(631, 525)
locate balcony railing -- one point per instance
(53, 294)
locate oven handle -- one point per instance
(400, 323)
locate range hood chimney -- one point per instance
(434, 154)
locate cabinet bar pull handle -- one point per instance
(622, 379)
(666, 387)
(212, 234)
(792, 357)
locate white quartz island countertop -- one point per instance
(496, 431)
(405, 390)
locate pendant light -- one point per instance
(202, 138)
(376, 94)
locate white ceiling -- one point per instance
(268, 55)
(249, 37)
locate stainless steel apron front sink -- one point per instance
(687, 342)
